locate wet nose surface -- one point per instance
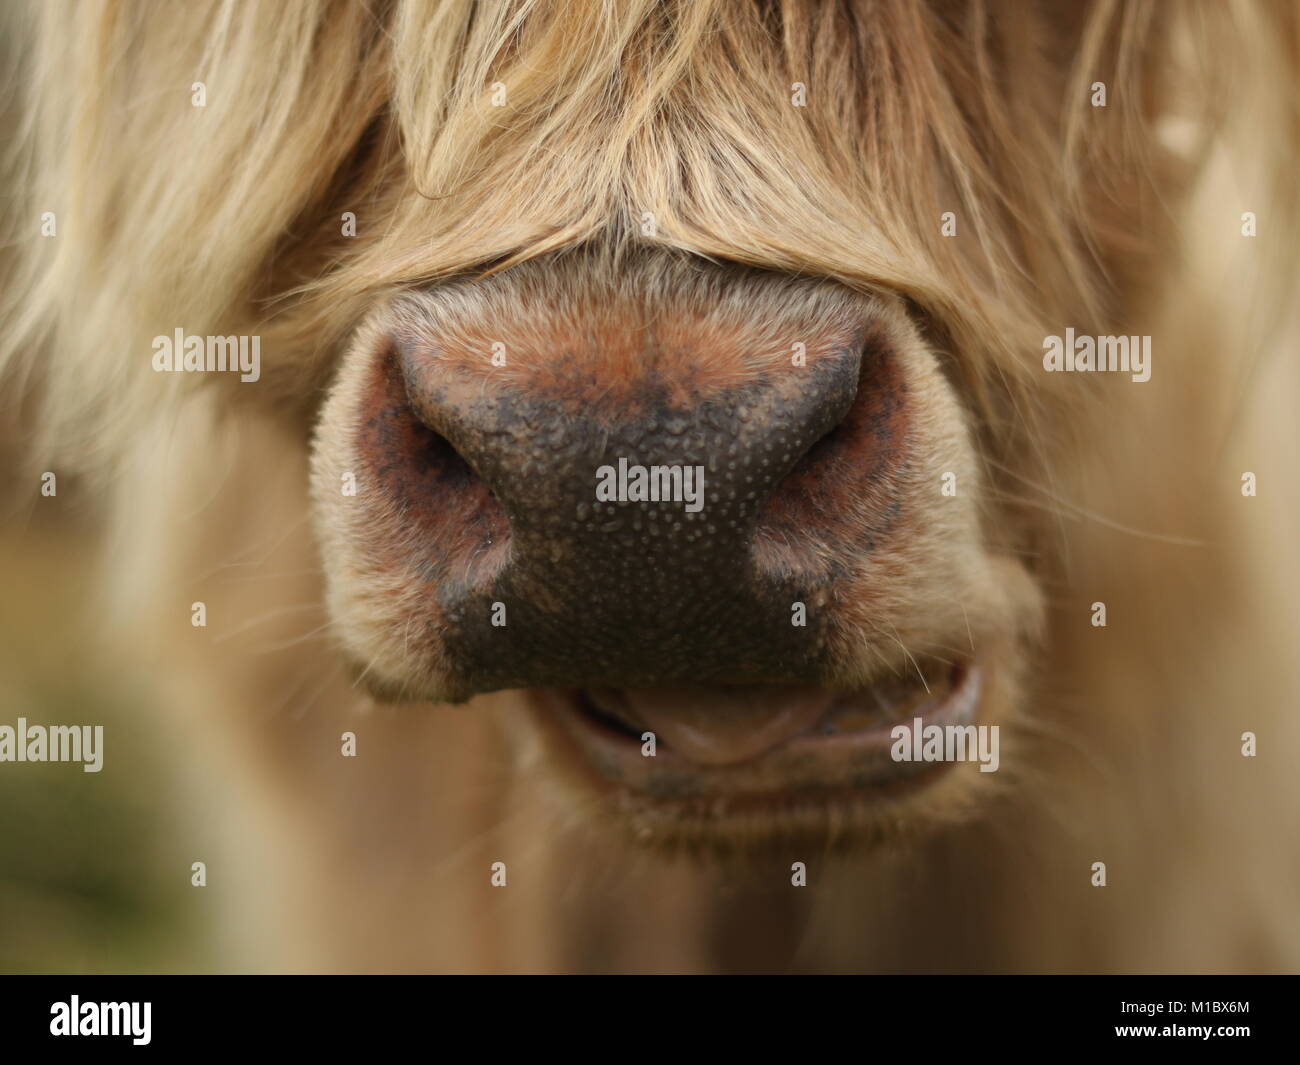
(626, 522)
(553, 467)
(590, 515)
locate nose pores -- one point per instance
(585, 495)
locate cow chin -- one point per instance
(719, 534)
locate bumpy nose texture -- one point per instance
(630, 523)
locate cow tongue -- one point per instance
(722, 726)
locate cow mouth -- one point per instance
(764, 742)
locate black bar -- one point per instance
(211, 1013)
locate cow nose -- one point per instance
(591, 514)
(655, 490)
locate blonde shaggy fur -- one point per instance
(1114, 220)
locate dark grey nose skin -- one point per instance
(625, 593)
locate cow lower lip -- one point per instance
(846, 747)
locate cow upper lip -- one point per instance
(843, 743)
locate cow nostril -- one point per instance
(428, 483)
(429, 452)
(437, 455)
(826, 449)
(819, 449)
(847, 468)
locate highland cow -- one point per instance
(476, 714)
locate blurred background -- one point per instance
(94, 867)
